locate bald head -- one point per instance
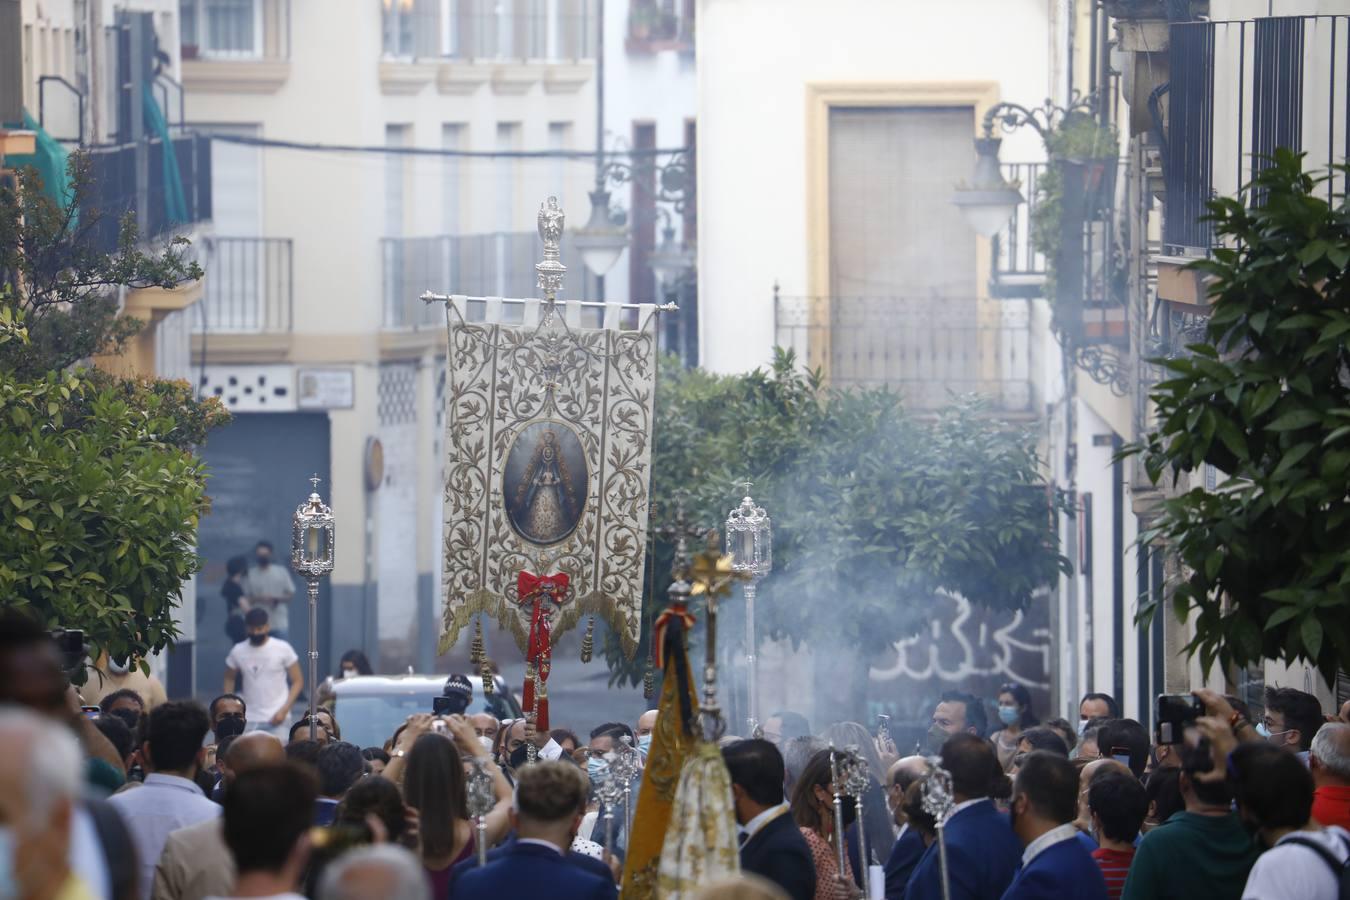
(252, 751)
(906, 771)
(646, 722)
(1085, 776)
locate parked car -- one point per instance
(369, 708)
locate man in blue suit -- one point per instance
(550, 801)
(1044, 804)
(982, 851)
(908, 847)
(772, 845)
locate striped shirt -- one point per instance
(1115, 865)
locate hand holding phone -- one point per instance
(1175, 713)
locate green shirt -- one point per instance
(1192, 856)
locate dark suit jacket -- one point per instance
(983, 855)
(779, 853)
(529, 870)
(905, 855)
(580, 860)
(1061, 870)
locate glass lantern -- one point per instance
(749, 539)
(312, 537)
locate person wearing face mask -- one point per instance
(813, 811)
(272, 679)
(39, 790)
(486, 726)
(519, 734)
(1292, 719)
(228, 714)
(269, 587)
(1015, 716)
(1054, 863)
(545, 814)
(354, 663)
(982, 852)
(109, 676)
(646, 724)
(955, 713)
(604, 740)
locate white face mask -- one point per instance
(348, 673)
(486, 742)
(1082, 726)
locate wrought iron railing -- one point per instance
(1019, 268)
(499, 264)
(113, 191)
(926, 349)
(249, 287)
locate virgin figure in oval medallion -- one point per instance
(544, 482)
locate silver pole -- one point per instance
(862, 846)
(313, 655)
(942, 861)
(628, 809)
(480, 824)
(751, 660)
(838, 816)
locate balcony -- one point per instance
(479, 265)
(462, 44)
(169, 205)
(656, 25)
(249, 287)
(926, 349)
(235, 46)
(1019, 268)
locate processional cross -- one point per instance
(543, 597)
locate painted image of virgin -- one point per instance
(544, 483)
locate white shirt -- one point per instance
(1058, 835)
(751, 828)
(966, 804)
(163, 804)
(1298, 873)
(541, 843)
(273, 581)
(264, 670)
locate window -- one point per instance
(221, 28)
(412, 28)
(452, 138)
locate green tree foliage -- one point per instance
(99, 499)
(1265, 399)
(874, 510)
(63, 283)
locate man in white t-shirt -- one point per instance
(268, 664)
(1275, 792)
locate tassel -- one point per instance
(588, 642)
(476, 654)
(485, 671)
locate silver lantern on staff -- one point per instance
(749, 543)
(312, 559)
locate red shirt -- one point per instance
(1115, 865)
(1331, 805)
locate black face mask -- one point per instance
(257, 640)
(227, 726)
(263, 561)
(519, 756)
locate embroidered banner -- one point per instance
(548, 413)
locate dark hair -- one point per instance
(263, 545)
(563, 734)
(973, 765)
(1022, 696)
(267, 810)
(306, 753)
(757, 766)
(303, 723)
(340, 766)
(1163, 792)
(1112, 707)
(433, 784)
(1121, 803)
(818, 772)
(1044, 739)
(613, 730)
(1198, 760)
(333, 728)
(255, 617)
(118, 734)
(376, 796)
(375, 754)
(916, 815)
(974, 709)
(211, 710)
(794, 724)
(358, 659)
(174, 732)
(1050, 784)
(236, 565)
(550, 791)
(1299, 710)
(1066, 732)
(1271, 785)
(1127, 735)
(223, 748)
(106, 704)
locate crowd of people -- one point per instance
(140, 798)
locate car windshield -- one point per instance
(368, 720)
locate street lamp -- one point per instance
(670, 259)
(750, 545)
(990, 201)
(312, 559)
(600, 242)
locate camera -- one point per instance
(1175, 713)
(448, 706)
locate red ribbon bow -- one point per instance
(539, 590)
(674, 612)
